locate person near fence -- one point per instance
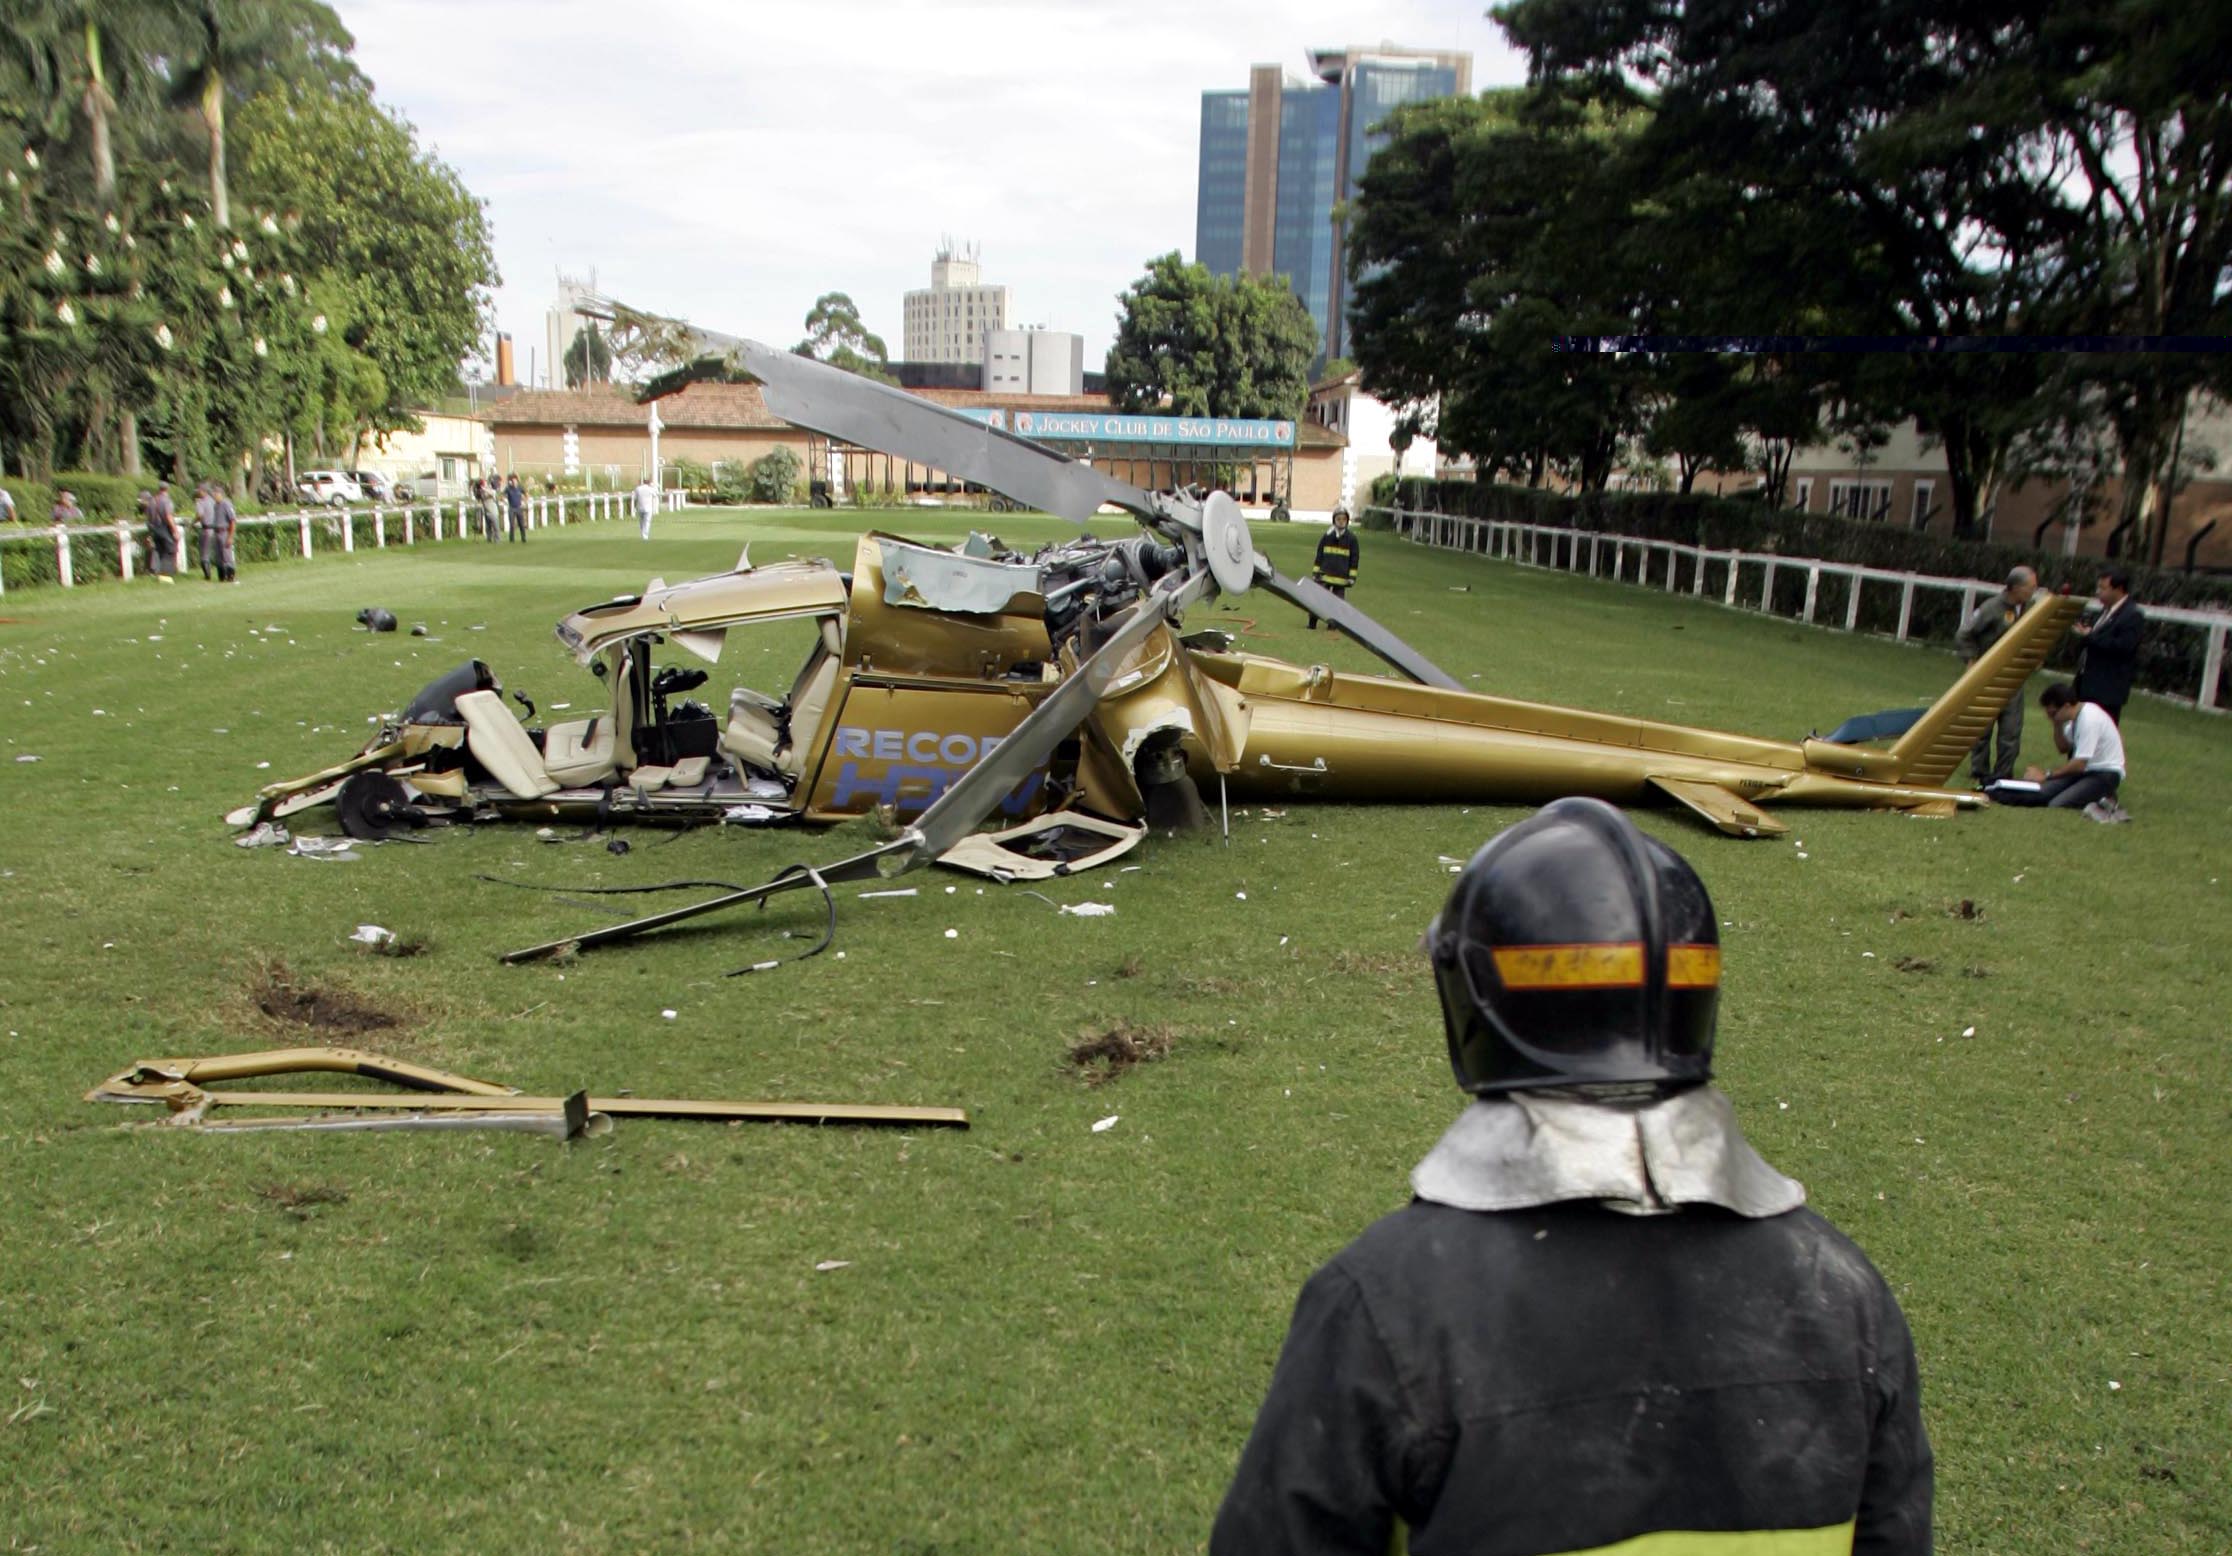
(205, 523)
(1984, 627)
(2094, 768)
(162, 532)
(515, 504)
(66, 509)
(489, 493)
(646, 504)
(7, 506)
(2109, 655)
(224, 523)
(1603, 1322)
(1338, 557)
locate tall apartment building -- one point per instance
(948, 321)
(1277, 159)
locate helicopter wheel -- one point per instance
(372, 805)
(1280, 515)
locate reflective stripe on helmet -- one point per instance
(1613, 965)
(1610, 965)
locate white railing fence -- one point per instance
(1808, 589)
(85, 553)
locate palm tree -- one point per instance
(246, 43)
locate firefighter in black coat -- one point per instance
(1603, 1321)
(2110, 656)
(1337, 556)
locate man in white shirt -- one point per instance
(646, 504)
(2088, 780)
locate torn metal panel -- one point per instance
(1062, 843)
(930, 579)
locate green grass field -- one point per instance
(1042, 1338)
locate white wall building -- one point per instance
(1034, 362)
(1342, 405)
(948, 321)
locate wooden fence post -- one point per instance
(1852, 601)
(123, 551)
(62, 556)
(1906, 605)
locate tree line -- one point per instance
(1781, 168)
(216, 243)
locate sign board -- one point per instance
(1207, 431)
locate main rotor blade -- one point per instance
(859, 867)
(1320, 601)
(870, 415)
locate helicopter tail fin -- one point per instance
(1930, 751)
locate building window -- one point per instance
(1804, 499)
(1866, 500)
(1924, 491)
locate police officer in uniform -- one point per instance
(1337, 556)
(1604, 1323)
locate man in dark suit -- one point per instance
(2111, 646)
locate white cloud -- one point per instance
(730, 160)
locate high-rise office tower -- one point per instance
(1277, 158)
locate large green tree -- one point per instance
(836, 335)
(1197, 344)
(394, 232)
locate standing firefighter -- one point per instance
(1980, 631)
(1338, 554)
(1604, 1323)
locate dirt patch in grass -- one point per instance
(1914, 964)
(298, 1200)
(1967, 908)
(301, 1005)
(1131, 967)
(1097, 1058)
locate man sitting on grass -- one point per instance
(2095, 769)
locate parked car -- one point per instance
(329, 488)
(375, 486)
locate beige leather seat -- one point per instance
(582, 752)
(809, 702)
(497, 742)
(754, 728)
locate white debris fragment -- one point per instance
(1085, 910)
(1104, 1125)
(260, 766)
(267, 834)
(324, 848)
(950, 890)
(2113, 1385)
(1870, 955)
(1968, 1031)
(666, 1015)
(953, 934)
(748, 815)
(372, 934)
(1241, 896)
(1282, 940)
(100, 713)
(827, 1265)
(27, 757)
(903, 891)
(1805, 856)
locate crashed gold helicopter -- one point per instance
(1057, 690)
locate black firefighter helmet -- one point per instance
(1576, 951)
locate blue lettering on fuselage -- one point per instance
(918, 767)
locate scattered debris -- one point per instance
(1914, 964)
(953, 934)
(27, 757)
(266, 834)
(1079, 910)
(418, 629)
(617, 845)
(1966, 908)
(1104, 1125)
(1968, 1031)
(749, 815)
(440, 1099)
(1099, 1057)
(374, 619)
(341, 848)
(372, 934)
(903, 891)
(827, 1265)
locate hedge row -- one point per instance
(2170, 660)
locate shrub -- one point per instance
(774, 475)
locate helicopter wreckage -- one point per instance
(1057, 692)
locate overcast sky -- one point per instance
(727, 161)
